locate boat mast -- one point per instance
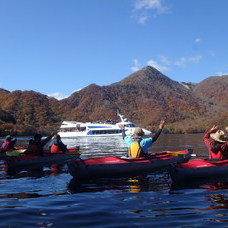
(121, 117)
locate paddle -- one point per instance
(15, 152)
(174, 153)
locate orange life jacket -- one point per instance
(55, 148)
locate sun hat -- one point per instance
(219, 136)
(8, 138)
(138, 132)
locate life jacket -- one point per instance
(135, 150)
(54, 148)
(5, 146)
(32, 149)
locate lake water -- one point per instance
(52, 198)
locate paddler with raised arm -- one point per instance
(137, 145)
(37, 144)
(217, 143)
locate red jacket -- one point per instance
(6, 146)
(222, 153)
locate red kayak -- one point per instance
(116, 166)
(30, 160)
(199, 169)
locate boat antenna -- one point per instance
(121, 116)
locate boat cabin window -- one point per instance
(129, 125)
(73, 129)
(104, 132)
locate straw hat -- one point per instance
(219, 136)
(138, 132)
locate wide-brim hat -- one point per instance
(8, 138)
(219, 136)
(138, 132)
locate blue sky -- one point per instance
(56, 47)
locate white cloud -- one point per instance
(197, 40)
(221, 73)
(136, 62)
(150, 62)
(157, 66)
(143, 9)
(163, 62)
(57, 95)
(143, 18)
(184, 60)
(136, 66)
(181, 62)
(60, 96)
(149, 4)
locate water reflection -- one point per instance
(17, 173)
(207, 184)
(52, 198)
(41, 171)
(181, 141)
(99, 146)
(142, 183)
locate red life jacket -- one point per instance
(5, 146)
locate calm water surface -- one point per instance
(52, 198)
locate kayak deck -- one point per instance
(119, 166)
(197, 169)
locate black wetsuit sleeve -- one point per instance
(123, 133)
(62, 146)
(157, 135)
(45, 141)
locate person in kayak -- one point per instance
(57, 145)
(9, 143)
(217, 143)
(36, 144)
(137, 145)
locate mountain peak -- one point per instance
(146, 76)
(150, 70)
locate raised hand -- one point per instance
(121, 126)
(214, 128)
(162, 124)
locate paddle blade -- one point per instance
(15, 152)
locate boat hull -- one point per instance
(29, 160)
(115, 166)
(72, 129)
(199, 169)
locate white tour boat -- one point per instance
(70, 129)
